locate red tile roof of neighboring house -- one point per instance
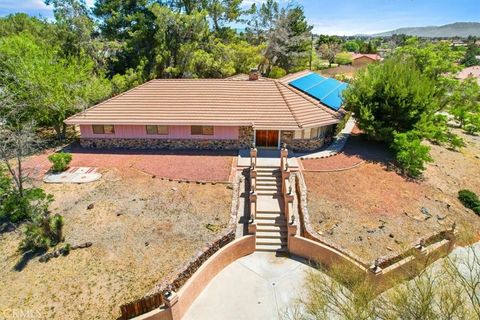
(470, 72)
(267, 104)
(372, 56)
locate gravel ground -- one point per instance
(186, 165)
(142, 230)
(373, 211)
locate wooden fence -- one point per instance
(141, 306)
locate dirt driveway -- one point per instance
(186, 165)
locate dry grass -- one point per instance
(142, 230)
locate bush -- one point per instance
(411, 155)
(470, 200)
(60, 161)
(42, 233)
(343, 58)
(277, 72)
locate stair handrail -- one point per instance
(253, 185)
(286, 188)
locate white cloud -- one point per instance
(23, 5)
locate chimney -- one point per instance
(254, 74)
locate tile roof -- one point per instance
(470, 72)
(372, 56)
(267, 104)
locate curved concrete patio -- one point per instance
(257, 286)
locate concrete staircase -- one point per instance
(270, 219)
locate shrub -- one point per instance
(60, 161)
(470, 200)
(42, 233)
(343, 58)
(411, 155)
(277, 72)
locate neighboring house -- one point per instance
(362, 59)
(300, 110)
(470, 72)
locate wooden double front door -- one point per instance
(266, 138)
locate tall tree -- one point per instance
(288, 43)
(470, 58)
(51, 86)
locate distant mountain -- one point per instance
(457, 29)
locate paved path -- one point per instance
(258, 286)
(335, 147)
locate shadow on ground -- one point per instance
(76, 148)
(25, 259)
(358, 145)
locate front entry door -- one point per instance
(266, 138)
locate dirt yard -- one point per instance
(372, 211)
(142, 229)
(186, 165)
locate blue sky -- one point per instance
(343, 17)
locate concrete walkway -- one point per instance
(335, 147)
(265, 157)
(258, 286)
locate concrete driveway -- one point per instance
(258, 286)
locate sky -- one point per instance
(345, 17)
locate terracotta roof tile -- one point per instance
(264, 104)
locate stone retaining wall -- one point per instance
(245, 140)
(172, 144)
(301, 145)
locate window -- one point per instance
(103, 129)
(310, 133)
(162, 130)
(202, 130)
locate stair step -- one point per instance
(270, 215)
(271, 235)
(268, 193)
(272, 241)
(274, 183)
(272, 229)
(267, 187)
(271, 248)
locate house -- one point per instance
(300, 110)
(470, 72)
(362, 59)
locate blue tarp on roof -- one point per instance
(326, 90)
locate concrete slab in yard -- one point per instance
(258, 286)
(73, 175)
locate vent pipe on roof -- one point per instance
(253, 75)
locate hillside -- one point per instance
(458, 29)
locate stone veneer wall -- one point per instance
(245, 140)
(245, 137)
(300, 144)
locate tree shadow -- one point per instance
(25, 259)
(77, 148)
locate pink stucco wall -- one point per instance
(175, 132)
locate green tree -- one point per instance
(433, 59)
(343, 58)
(395, 102)
(351, 46)
(464, 104)
(470, 58)
(411, 154)
(53, 88)
(288, 44)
